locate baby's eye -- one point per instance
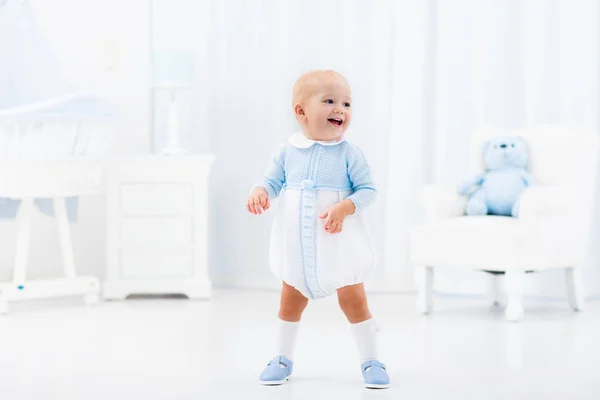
(512, 145)
(328, 101)
(347, 105)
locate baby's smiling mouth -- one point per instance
(335, 121)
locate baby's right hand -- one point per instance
(258, 201)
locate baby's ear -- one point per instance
(298, 110)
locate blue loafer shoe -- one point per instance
(375, 375)
(277, 372)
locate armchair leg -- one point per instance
(495, 289)
(575, 293)
(424, 282)
(514, 288)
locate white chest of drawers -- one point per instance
(157, 226)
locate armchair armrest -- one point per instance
(545, 201)
(439, 202)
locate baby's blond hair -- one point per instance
(304, 86)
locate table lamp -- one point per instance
(172, 71)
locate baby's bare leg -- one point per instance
(292, 304)
(353, 302)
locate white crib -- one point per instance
(54, 149)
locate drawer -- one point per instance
(156, 199)
(156, 231)
(156, 264)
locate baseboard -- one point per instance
(378, 285)
(266, 283)
(269, 283)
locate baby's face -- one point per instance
(328, 110)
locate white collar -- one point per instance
(300, 141)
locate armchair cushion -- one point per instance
(494, 243)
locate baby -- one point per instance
(319, 242)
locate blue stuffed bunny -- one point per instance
(498, 190)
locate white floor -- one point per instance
(178, 349)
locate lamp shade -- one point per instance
(172, 69)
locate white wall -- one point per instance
(247, 54)
(104, 48)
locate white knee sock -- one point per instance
(365, 334)
(286, 338)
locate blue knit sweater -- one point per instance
(306, 164)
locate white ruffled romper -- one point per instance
(309, 177)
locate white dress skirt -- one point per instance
(305, 256)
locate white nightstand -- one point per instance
(157, 226)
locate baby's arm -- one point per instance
(275, 175)
(271, 186)
(359, 173)
(364, 192)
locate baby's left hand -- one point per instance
(334, 216)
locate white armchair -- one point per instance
(552, 230)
